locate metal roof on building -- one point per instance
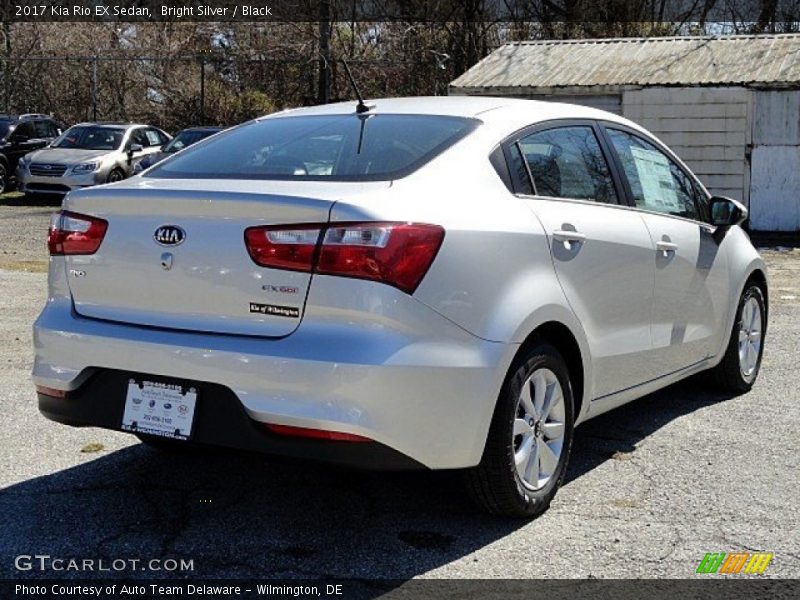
(724, 60)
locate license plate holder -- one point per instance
(160, 409)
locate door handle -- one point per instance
(666, 247)
(563, 235)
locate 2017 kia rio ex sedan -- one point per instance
(448, 283)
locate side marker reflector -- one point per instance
(318, 434)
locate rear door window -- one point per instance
(42, 129)
(138, 137)
(567, 162)
(656, 182)
(519, 170)
(24, 130)
(153, 137)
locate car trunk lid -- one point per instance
(174, 254)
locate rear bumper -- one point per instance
(427, 395)
(220, 421)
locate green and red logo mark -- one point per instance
(735, 562)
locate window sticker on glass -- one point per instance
(153, 138)
(656, 179)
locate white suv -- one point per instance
(448, 283)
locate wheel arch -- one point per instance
(561, 337)
(745, 265)
(756, 272)
(759, 277)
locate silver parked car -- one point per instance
(441, 283)
(88, 154)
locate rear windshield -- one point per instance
(329, 147)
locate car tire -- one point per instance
(738, 370)
(503, 483)
(115, 175)
(4, 186)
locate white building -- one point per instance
(729, 106)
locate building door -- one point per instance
(775, 162)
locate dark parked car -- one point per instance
(182, 139)
(20, 134)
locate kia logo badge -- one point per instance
(169, 235)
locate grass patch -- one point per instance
(26, 266)
(92, 448)
(11, 195)
(624, 503)
(19, 199)
(622, 455)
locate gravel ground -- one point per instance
(652, 486)
(23, 226)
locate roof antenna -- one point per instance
(361, 107)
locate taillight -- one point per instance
(283, 247)
(397, 254)
(72, 233)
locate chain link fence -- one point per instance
(199, 90)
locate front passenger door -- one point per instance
(602, 252)
(691, 274)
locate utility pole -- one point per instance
(7, 66)
(202, 90)
(94, 88)
(323, 93)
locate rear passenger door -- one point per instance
(691, 273)
(602, 252)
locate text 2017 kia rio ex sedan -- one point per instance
(449, 283)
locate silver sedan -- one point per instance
(441, 283)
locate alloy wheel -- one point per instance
(539, 427)
(750, 329)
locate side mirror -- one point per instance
(134, 148)
(726, 212)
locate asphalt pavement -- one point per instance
(651, 488)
